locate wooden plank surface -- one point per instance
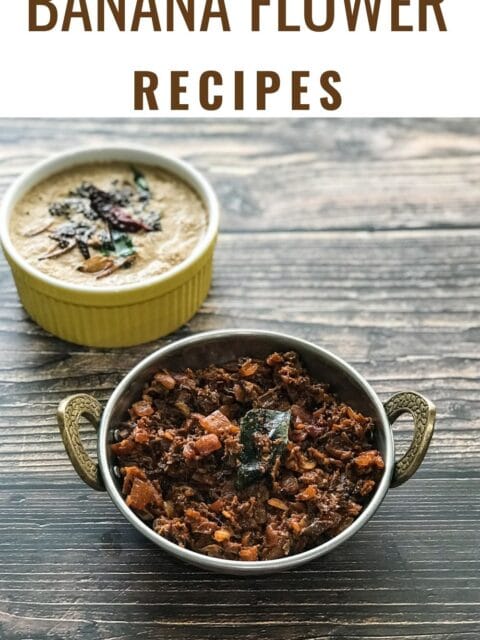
(362, 236)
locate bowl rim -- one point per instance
(238, 566)
(78, 156)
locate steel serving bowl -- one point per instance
(218, 347)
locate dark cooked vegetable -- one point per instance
(187, 436)
(259, 454)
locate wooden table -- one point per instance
(363, 236)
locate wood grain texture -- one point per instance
(362, 236)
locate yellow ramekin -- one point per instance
(113, 316)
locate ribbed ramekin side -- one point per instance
(116, 326)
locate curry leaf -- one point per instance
(141, 182)
(118, 243)
(255, 460)
(123, 245)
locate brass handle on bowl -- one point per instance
(69, 413)
(423, 412)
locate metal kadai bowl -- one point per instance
(218, 347)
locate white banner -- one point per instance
(295, 71)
